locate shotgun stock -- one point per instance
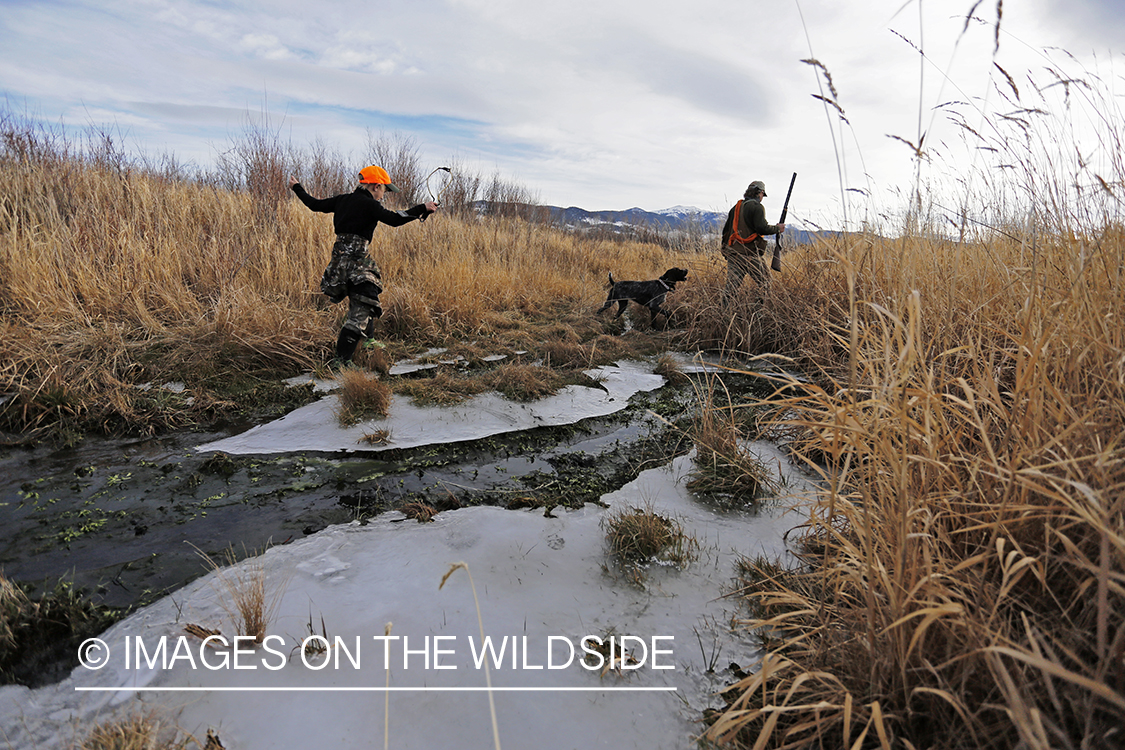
(775, 264)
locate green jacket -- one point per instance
(752, 220)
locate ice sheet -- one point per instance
(315, 427)
(536, 577)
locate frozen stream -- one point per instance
(542, 580)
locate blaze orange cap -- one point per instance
(377, 176)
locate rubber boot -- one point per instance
(346, 345)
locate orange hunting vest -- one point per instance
(734, 235)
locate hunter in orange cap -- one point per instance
(352, 273)
(377, 176)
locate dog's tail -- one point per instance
(611, 281)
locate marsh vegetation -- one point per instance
(637, 536)
(963, 395)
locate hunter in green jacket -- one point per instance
(744, 243)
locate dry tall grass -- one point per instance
(963, 582)
(113, 274)
(361, 397)
(965, 577)
(244, 593)
(142, 732)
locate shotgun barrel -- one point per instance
(775, 264)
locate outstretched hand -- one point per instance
(293, 181)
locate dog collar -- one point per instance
(664, 284)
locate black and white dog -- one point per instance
(648, 293)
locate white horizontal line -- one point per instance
(378, 689)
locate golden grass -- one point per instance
(641, 535)
(964, 574)
(111, 277)
(361, 397)
(142, 732)
(964, 571)
(244, 593)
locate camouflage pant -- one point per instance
(743, 260)
(353, 274)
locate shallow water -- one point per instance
(540, 575)
(536, 576)
(123, 519)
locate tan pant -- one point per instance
(743, 260)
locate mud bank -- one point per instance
(123, 519)
(539, 580)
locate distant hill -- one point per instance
(677, 218)
(633, 221)
(637, 223)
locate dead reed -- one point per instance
(244, 593)
(211, 279)
(637, 536)
(143, 731)
(963, 576)
(963, 570)
(361, 397)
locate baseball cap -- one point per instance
(378, 176)
(758, 185)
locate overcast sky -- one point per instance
(603, 104)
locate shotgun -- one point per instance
(775, 264)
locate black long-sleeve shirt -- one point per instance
(358, 212)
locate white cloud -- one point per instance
(604, 104)
(265, 46)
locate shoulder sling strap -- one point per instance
(734, 235)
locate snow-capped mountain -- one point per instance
(641, 224)
(675, 218)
